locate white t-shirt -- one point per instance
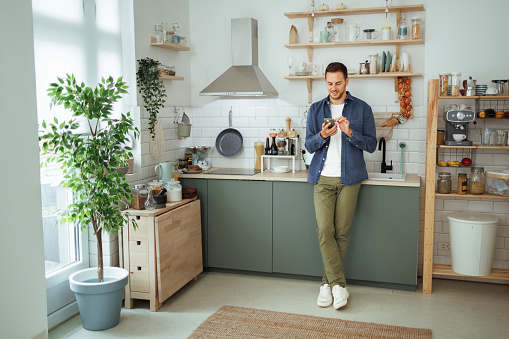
(332, 165)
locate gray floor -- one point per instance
(456, 309)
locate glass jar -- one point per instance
(140, 195)
(440, 136)
(444, 183)
(402, 28)
(455, 84)
(416, 27)
(476, 181)
(281, 133)
(155, 186)
(444, 83)
(182, 163)
(337, 22)
(158, 29)
(292, 133)
(373, 67)
(174, 191)
(175, 171)
(462, 183)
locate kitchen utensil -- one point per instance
(164, 171)
(189, 192)
(352, 32)
(402, 145)
(280, 169)
(384, 60)
(491, 91)
(370, 34)
(500, 86)
(229, 141)
(324, 36)
(388, 62)
(404, 62)
(386, 33)
(364, 67)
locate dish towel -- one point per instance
(156, 144)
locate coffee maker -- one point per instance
(456, 127)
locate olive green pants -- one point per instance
(334, 207)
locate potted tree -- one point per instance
(89, 162)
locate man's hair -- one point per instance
(334, 67)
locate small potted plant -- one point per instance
(89, 162)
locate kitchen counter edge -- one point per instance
(412, 180)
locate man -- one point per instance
(337, 170)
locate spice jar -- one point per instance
(155, 186)
(476, 180)
(182, 163)
(444, 183)
(292, 133)
(140, 195)
(416, 27)
(462, 183)
(444, 83)
(455, 84)
(281, 133)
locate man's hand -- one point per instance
(344, 125)
(328, 132)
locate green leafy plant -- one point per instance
(152, 90)
(88, 161)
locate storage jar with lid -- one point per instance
(140, 195)
(476, 180)
(174, 189)
(462, 183)
(455, 84)
(155, 186)
(416, 27)
(444, 183)
(373, 66)
(444, 83)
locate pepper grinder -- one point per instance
(288, 121)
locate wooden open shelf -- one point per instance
(168, 45)
(378, 75)
(482, 196)
(170, 77)
(356, 11)
(354, 43)
(474, 146)
(475, 97)
(496, 273)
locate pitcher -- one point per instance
(352, 32)
(163, 171)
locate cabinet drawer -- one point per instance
(138, 253)
(139, 279)
(141, 232)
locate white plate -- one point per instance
(280, 171)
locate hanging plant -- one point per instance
(152, 90)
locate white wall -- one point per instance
(23, 285)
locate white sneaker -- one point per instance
(340, 296)
(325, 296)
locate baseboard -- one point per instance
(62, 315)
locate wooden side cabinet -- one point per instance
(163, 254)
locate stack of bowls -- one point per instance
(480, 89)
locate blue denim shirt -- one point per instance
(362, 124)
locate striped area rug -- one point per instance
(239, 322)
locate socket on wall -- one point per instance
(446, 246)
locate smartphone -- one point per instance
(331, 120)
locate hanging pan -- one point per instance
(229, 141)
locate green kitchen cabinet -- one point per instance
(384, 237)
(295, 241)
(202, 193)
(240, 225)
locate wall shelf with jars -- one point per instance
(394, 71)
(432, 188)
(168, 45)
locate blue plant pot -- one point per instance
(99, 303)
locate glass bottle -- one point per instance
(444, 183)
(176, 36)
(159, 33)
(273, 147)
(267, 147)
(402, 28)
(150, 203)
(416, 27)
(476, 180)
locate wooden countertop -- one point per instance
(412, 180)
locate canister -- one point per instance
(386, 33)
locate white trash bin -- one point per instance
(472, 242)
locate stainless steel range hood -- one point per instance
(244, 78)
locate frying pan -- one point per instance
(229, 141)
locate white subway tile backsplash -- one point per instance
(480, 206)
(501, 254)
(456, 205)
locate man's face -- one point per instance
(336, 85)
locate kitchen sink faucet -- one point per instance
(382, 146)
